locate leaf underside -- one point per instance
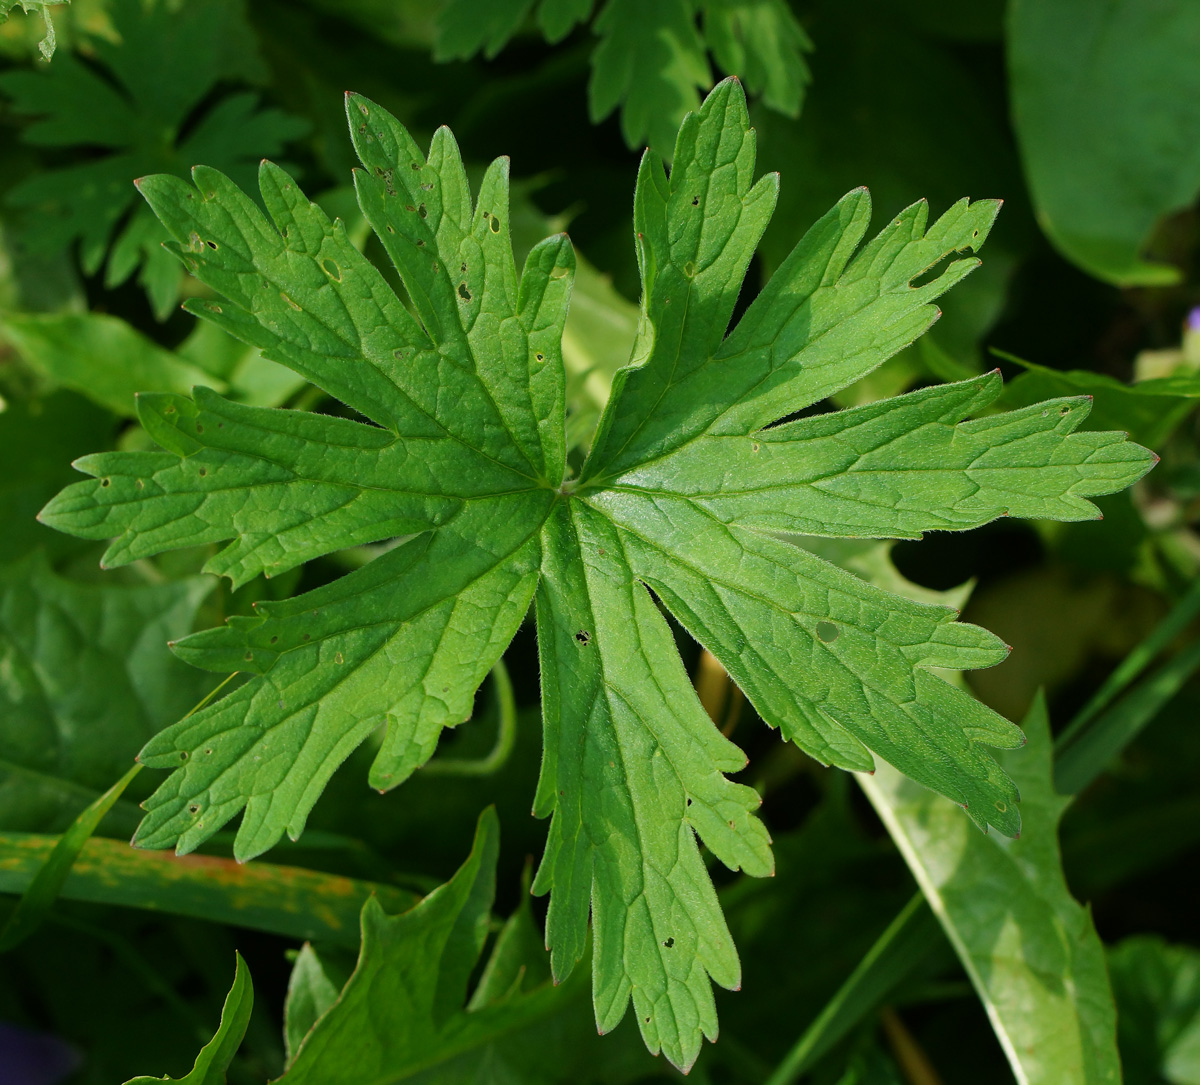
(682, 504)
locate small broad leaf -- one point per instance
(1095, 87)
(404, 1013)
(314, 986)
(1031, 951)
(87, 682)
(688, 483)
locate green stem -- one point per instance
(896, 951)
(1135, 663)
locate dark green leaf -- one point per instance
(761, 41)
(214, 1059)
(1106, 104)
(651, 62)
(88, 679)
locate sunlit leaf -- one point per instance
(687, 480)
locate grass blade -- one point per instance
(1135, 663)
(44, 887)
(1086, 757)
(898, 949)
(284, 900)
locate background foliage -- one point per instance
(1082, 117)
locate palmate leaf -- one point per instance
(651, 60)
(684, 491)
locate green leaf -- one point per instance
(47, 45)
(88, 679)
(761, 41)
(466, 27)
(1096, 88)
(1030, 950)
(405, 1015)
(284, 900)
(878, 82)
(313, 987)
(160, 64)
(651, 62)
(403, 1009)
(215, 1057)
(39, 437)
(557, 18)
(106, 359)
(466, 457)
(1158, 994)
(46, 884)
(1149, 411)
(651, 59)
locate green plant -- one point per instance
(616, 505)
(687, 477)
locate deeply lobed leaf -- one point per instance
(687, 484)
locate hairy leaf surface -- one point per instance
(679, 505)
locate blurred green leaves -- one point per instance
(651, 59)
(1158, 994)
(1106, 106)
(87, 678)
(1149, 410)
(136, 104)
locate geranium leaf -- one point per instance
(689, 480)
